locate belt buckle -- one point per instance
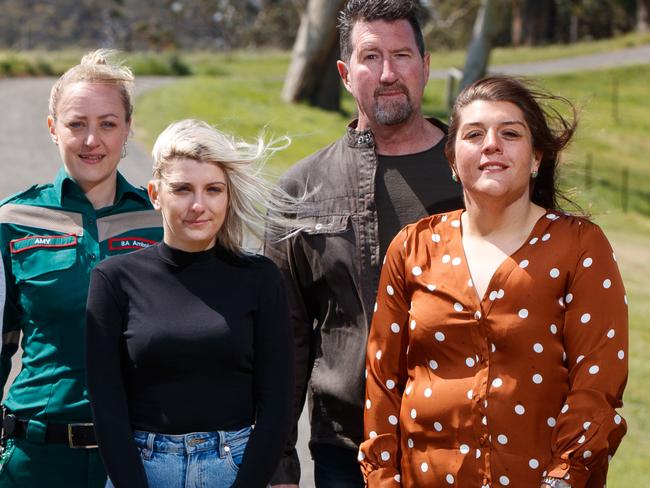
(71, 443)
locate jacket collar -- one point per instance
(65, 186)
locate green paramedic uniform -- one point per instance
(50, 239)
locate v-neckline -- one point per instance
(505, 267)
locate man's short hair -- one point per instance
(371, 10)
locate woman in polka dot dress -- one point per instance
(498, 349)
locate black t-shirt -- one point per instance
(183, 342)
(413, 186)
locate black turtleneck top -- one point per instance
(182, 342)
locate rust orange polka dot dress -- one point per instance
(504, 390)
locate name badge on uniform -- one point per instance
(35, 242)
(125, 243)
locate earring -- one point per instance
(123, 155)
(534, 174)
(454, 176)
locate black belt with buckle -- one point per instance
(76, 436)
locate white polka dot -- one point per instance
(533, 241)
(378, 354)
(538, 348)
(502, 439)
(392, 420)
(470, 394)
(501, 294)
(477, 315)
(551, 216)
(437, 426)
(435, 238)
(397, 478)
(478, 453)
(390, 384)
(417, 271)
(611, 333)
(410, 443)
(450, 479)
(385, 455)
(493, 295)
(455, 223)
(520, 410)
(375, 306)
(414, 414)
(621, 354)
(464, 449)
(368, 404)
(579, 358)
(433, 364)
(523, 313)
(546, 237)
(553, 329)
(494, 348)
(424, 467)
(607, 283)
(456, 261)
(533, 463)
(408, 389)
(617, 419)
(497, 383)
(470, 362)
(395, 327)
(458, 307)
(484, 420)
(625, 299)
(568, 298)
(561, 302)
(365, 373)
(565, 408)
(585, 318)
(586, 425)
(431, 287)
(372, 434)
(504, 480)
(524, 264)
(390, 290)
(587, 262)
(582, 439)
(537, 378)
(444, 218)
(428, 392)
(412, 325)
(361, 456)
(587, 454)
(446, 258)
(551, 422)
(554, 273)
(440, 337)
(594, 369)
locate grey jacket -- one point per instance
(332, 271)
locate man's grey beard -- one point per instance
(393, 113)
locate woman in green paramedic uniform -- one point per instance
(51, 236)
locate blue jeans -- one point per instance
(196, 460)
(336, 467)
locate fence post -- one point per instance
(589, 171)
(454, 75)
(625, 187)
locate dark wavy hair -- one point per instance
(371, 10)
(551, 131)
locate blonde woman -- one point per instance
(189, 344)
(51, 236)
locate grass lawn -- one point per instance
(243, 97)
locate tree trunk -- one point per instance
(642, 15)
(312, 74)
(516, 27)
(479, 49)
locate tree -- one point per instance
(642, 15)
(478, 53)
(312, 74)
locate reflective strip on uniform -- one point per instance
(42, 218)
(3, 297)
(123, 223)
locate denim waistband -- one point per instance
(192, 442)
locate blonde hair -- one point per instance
(97, 67)
(250, 194)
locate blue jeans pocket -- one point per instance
(235, 443)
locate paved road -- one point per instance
(27, 155)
